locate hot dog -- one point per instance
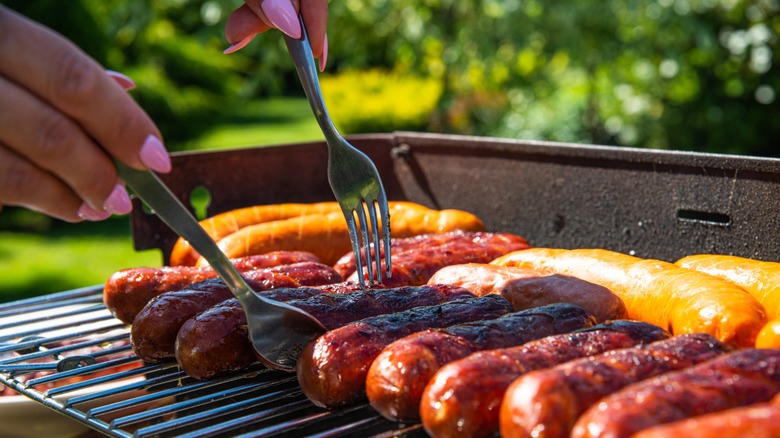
(463, 397)
(332, 369)
(127, 291)
(397, 377)
(327, 235)
(549, 401)
(154, 330)
(761, 279)
(415, 265)
(657, 292)
(731, 380)
(529, 288)
(215, 341)
(761, 420)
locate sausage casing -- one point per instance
(397, 377)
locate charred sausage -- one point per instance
(216, 341)
(332, 369)
(126, 292)
(736, 379)
(463, 397)
(397, 377)
(549, 401)
(529, 288)
(154, 330)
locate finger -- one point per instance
(60, 74)
(25, 185)
(242, 25)
(59, 146)
(315, 18)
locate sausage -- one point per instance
(657, 292)
(154, 330)
(741, 378)
(223, 224)
(126, 292)
(761, 420)
(529, 288)
(415, 266)
(332, 369)
(761, 279)
(327, 235)
(216, 341)
(397, 377)
(463, 397)
(549, 401)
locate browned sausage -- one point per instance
(424, 256)
(463, 397)
(332, 369)
(761, 420)
(397, 377)
(549, 401)
(529, 288)
(126, 292)
(731, 380)
(154, 330)
(216, 341)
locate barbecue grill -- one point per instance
(649, 203)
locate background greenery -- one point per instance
(696, 75)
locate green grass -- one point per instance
(40, 256)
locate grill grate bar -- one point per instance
(302, 422)
(34, 343)
(54, 300)
(60, 326)
(119, 376)
(86, 370)
(48, 316)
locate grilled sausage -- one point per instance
(761, 420)
(731, 380)
(327, 234)
(126, 292)
(529, 288)
(463, 397)
(216, 341)
(658, 292)
(502, 241)
(415, 265)
(769, 336)
(154, 330)
(332, 369)
(397, 377)
(548, 402)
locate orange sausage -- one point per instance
(761, 279)
(327, 235)
(229, 222)
(661, 293)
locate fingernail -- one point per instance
(239, 45)
(324, 56)
(282, 15)
(118, 201)
(154, 155)
(90, 214)
(123, 81)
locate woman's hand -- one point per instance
(63, 119)
(257, 16)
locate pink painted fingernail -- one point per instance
(239, 45)
(123, 81)
(90, 214)
(118, 201)
(154, 155)
(324, 56)
(282, 15)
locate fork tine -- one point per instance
(353, 237)
(375, 234)
(385, 217)
(361, 214)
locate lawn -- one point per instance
(40, 256)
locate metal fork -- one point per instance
(352, 175)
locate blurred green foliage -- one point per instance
(681, 74)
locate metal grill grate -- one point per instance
(121, 396)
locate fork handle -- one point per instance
(302, 57)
